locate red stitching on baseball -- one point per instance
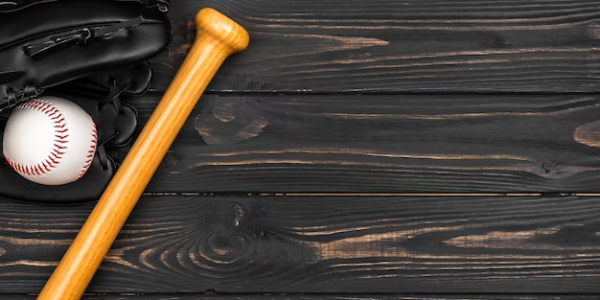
(90, 156)
(61, 135)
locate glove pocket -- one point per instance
(116, 126)
(89, 188)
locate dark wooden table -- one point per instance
(366, 149)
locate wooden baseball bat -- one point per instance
(217, 38)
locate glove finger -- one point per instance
(73, 39)
(15, 5)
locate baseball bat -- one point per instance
(217, 38)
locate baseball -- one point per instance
(50, 140)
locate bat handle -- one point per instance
(217, 38)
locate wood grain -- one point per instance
(241, 244)
(179, 296)
(384, 144)
(401, 46)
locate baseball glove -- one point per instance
(94, 53)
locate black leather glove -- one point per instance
(94, 53)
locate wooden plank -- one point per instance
(387, 144)
(313, 297)
(401, 46)
(240, 244)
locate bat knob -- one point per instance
(214, 23)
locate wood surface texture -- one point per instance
(376, 143)
(443, 144)
(241, 244)
(402, 46)
(129, 296)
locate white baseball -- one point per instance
(50, 140)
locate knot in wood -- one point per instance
(548, 166)
(229, 121)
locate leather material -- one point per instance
(72, 39)
(95, 53)
(116, 122)
(138, 77)
(102, 96)
(15, 5)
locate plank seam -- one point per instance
(365, 294)
(333, 194)
(384, 93)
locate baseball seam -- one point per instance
(91, 151)
(60, 142)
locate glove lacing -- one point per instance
(117, 87)
(81, 37)
(12, 98)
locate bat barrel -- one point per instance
(218, 37)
